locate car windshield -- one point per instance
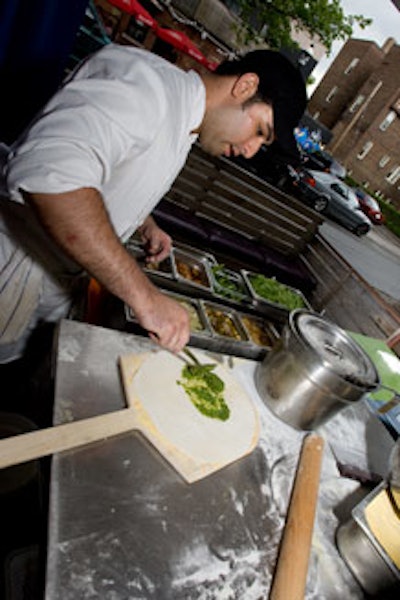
(346, 193)
(353, 200)
(371, 203)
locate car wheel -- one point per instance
(361, 229)
(321, 203)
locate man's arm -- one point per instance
(79, 223)
(157, 242)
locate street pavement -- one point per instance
(375, 256)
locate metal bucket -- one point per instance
(364, 560)
(367, 560)
(314, 370)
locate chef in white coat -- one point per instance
(99, 157)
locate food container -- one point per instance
(259, 331)
(191, 269)
(371, 566)
(163, 268)
(269, 291)
(229, 284)
(198, 322)
(223, 322)
(313, 371)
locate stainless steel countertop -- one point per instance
(124, 525)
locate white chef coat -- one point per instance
(123, 124)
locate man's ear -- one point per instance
(245, 86)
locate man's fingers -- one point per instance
(173, 341)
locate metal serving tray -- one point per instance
(207, 339)
(202, 254)
(222, 321)
(198, 322)
(238, 292)
(195, 311)
(247, 276)
(191, 269)
(259, 331)
(162, 269)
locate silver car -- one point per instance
(343, 205)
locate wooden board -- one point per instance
(194, 444)
(385, 525)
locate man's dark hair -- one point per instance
(280, 84)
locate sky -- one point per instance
(386, 23)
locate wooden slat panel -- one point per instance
(273, 237)
(221, 191)
(266, 213)
(258, 224)
(264, 197)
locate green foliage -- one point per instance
(276, 292)
(392, 217)
(274, 18)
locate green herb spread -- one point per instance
(205, 390)
(272, 290)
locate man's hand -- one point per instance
(165, 319)
(79, 223)
(157, 243)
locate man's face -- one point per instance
(237, 129)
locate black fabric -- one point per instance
(282, 84)
(35, 41)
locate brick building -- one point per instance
(359, 101)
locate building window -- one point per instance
(390, 117)
(396, 107)
(357, 103)
(331, 94)
(384, 161)
(364, 150)
(352, 65)
(393, 176)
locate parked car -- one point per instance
(343, 205)
(370, 207)
(302, 185)
(321, 160)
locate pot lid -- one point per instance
(336, 348)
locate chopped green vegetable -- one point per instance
(272, 290)
(228, 285)
(205, 390)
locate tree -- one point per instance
(272, 21)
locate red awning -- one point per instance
(181, 42)
(211, 65)
(134, 8)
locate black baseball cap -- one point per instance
(282, 84)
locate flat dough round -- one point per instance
(175, 417)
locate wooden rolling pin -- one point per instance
(290, 577)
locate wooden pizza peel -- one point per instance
(158, 407)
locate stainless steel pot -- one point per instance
(373, 568)
(364, 559)
(314, 370)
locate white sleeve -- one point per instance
(77, 143)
